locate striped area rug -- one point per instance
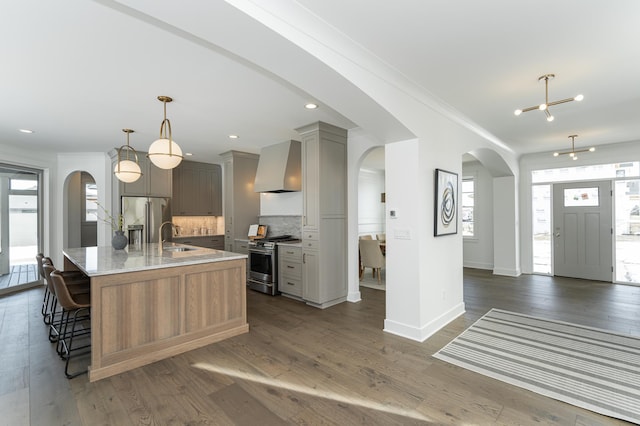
(587, 367)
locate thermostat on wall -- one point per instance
(393, 214)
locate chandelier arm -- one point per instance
(575, 151)
(560, 102)
(531, 108)
(547, 113)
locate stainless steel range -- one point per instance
(263, 264)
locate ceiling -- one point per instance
(76, 72)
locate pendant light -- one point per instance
(573, 153)
(127, 170)
(164, 152)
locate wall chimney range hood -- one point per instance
(280, 168)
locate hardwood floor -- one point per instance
(301, 365)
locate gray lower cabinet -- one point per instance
(241, 246)
(290, 270)
(206, 241)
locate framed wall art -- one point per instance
(446, 203)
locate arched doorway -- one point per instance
(371, 211)
(81, 216)
(488, 205)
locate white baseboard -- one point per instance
(420, 334)
(507, 272)
(477, 265)
(354, 296)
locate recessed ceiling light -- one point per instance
(25, 130)
(188, 154)
(311, 105)
(234, 137)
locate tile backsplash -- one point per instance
(199, 225)
(282, 225)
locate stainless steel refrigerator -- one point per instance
(142, 217)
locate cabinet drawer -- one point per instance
(291, 269)
(290, 252)
(240, 246)
(290, 286)
(308, 235)
(311, 244)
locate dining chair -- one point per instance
(371, 257)
(381, 237)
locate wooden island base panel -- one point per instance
(143, 314)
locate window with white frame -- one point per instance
(468, 196)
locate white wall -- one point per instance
(281, 204)
(371, 220)
(478, 250)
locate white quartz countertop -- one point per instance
(104, 260)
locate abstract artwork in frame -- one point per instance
(446, 208)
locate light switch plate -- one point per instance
(402, 234)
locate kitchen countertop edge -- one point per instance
(104, 260)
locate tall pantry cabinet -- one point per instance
(241, 203)
(324, 225)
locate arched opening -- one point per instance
(488, 203)
(371, 218)
(80, 210)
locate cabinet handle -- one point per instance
(290, 283)
(290, 252)
(304, 257)
(289, 266)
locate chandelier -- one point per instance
(573, 151)
(545, 106)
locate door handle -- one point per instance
(557, 234)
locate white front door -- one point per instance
(582, 230)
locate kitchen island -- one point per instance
(147, 305)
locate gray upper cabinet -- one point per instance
(197, 189)
(154, 182)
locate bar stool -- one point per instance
(47, 293)
(76, 285)
(76, 309)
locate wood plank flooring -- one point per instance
(19, 277)
(301, 365)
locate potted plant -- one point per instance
(119, 240)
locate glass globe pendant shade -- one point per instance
(127, 171)
(165, 154)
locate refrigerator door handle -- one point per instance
(147, 221)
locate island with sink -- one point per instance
(153, 301)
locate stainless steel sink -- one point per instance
(179, 249)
